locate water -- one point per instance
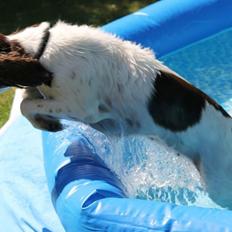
(153, 171)
(208, 65)
(150, 169)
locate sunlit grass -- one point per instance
(5, 105)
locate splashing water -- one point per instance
(153, 171)
(149, 169)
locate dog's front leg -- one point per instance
(43, 114)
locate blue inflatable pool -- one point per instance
(86, 194)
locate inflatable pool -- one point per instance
(193, 38)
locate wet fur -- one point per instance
(98, 77)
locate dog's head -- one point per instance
(18, 66)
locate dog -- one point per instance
(85, 74)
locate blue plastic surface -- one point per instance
(84, 163)
(93, 199)
(90, 203)
(24, 197)
(172, 24)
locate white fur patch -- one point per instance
(98, 76)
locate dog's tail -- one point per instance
(22, 71)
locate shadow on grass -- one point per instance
(94, 12)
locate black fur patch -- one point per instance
(43, 44)
(21, 71)
(175, 104)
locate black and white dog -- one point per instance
(82, 73)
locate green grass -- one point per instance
(27, 12)
(5, 105)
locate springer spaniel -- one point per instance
(82, 73)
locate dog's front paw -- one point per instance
(48, 123)
(42, 113)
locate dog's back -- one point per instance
(97, 76)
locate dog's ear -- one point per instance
(22, 71)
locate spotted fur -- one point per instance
(97, 78)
